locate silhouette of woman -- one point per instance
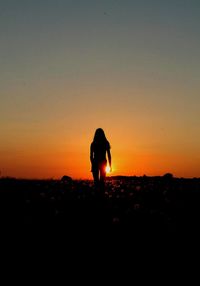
(98, 149)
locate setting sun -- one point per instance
(108, 169)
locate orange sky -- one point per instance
(129, 67)
(51, 156)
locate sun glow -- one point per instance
(108, 169)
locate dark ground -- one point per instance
(138, 205)
(140, 217)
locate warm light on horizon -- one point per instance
(108, 170)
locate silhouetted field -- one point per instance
(129, 205)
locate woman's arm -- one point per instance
(109, 157)
(91, 153)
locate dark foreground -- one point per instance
(145, 221)
(136, 205)
(138, 220)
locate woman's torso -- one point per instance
(99, 150)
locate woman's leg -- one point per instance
(102, 174)
(95, 173)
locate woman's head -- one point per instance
(99, 135)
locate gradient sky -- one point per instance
(130, 67)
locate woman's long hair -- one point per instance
(100, 137)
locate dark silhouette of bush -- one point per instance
(168, 176)
(66, 179)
